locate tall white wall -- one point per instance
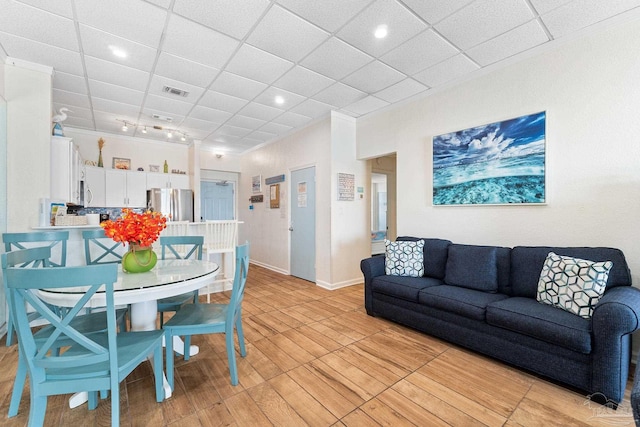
(28, 96)
(590, 92)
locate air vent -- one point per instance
(175, 91)
(163, 118)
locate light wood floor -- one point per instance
(315, 358)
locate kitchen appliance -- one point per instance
(175, 204)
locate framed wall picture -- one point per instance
(154, 168)
(256, 183)
(501, 163)
(274, 196)
(120, 163)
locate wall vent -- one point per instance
(163, 118)
(175, 91)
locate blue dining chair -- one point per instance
(95, 322)
(179, 247)
(195, 319)
(50, 239)
(91, 362)
(100, 249)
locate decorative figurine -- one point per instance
(57, 120)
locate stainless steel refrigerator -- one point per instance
(175, 204)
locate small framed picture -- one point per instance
(120, 163)
(256, 183)
(154, 168)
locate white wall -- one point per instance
(28, 96)
(589, 89)
(268, 229)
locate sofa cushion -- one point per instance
(404, 258)
(572, 284)
(527, 261)
(472, 267)
(403, 287)
(435, 255)
(544, 322)
(463, 301)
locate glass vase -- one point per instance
(100, 159)
(139, 259)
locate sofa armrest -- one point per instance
(615, 318)
(635, 394)
(371, 267)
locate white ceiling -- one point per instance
(235, 56)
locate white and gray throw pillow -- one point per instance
(404, 258)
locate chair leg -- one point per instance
(161, 319)
(239, 331)
(18, 386)
(115, 402)
(187, 347)
(157, 364)
(231, 357)
(10, 330)
(93, 400)
(37, 410)
(168, 339)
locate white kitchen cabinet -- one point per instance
(67, 171)
(126, 188)
(167, 180)
(94, 187)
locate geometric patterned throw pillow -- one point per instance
(404, 258)
(572, 284)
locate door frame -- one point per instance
(290, 207)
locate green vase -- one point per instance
(139, 260)
(100, 159)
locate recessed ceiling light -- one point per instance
(120, 53)
(169, 134)
(279, 100)
(125, 127)
(381, 31)
(144, 130)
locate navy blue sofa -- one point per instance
(507, 323)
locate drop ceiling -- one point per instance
(234, 57)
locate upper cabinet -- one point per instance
(126, 188)
(167, 180)
(94, 187)
(67, 171)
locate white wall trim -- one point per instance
(343, 284)
(29, 65)
(269, 267)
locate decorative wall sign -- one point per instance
(257, 199)
(274, 179)
(274, 196)
(120, 163)
(256, 183)
(494, 164)
(346, 186)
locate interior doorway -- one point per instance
(383, 202)
(217, 200)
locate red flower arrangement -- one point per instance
(140, 229)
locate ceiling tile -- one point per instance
(212, 48)
(69, 99)
(116, 74)
(336, 59)
(167, 105)
(161, 3)
(222, 101)
(366, 105)
(261, 136)
(181, 69)
(36, 24)
(257, 64)
(445, 71)
(544, 6)
(276, 128)
(508, 44)
(312, 108)
(69, 82)
(327, 14)
(158, 83)
(79, 123)
(231, 17)
(402, 25)
(60, 59)
(245, 122)
(422, 51)
(291, 119)
(59, 7)
(579, 14)
(303, 81)
(373, 77)
(204, 125)
(482, 20)
(339, 95)
(115, 93)
(260, 111)
(76, 113)
(435, 11)
(210, 114)
(227, 130)
(284, 34)
(124, 109)
(124, 18)
(237, 86)
(268, 97)
(100, 44)
(400, 91)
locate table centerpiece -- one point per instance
(139, 230)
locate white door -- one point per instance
(303, 224)
(216, 200)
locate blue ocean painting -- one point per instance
(498, 163)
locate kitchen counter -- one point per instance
(75, 244)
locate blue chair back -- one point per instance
(239, 282)
(182, 247)
(52, 239)
(100, 249)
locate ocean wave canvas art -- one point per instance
(494, 164)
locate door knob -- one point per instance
(290, 228)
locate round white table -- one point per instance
(142, 291)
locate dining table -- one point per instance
(141, 292)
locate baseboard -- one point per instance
(334, 286)
(269, 267)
